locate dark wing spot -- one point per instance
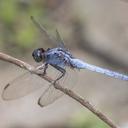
(40, 103)
(6, 86)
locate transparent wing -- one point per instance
(22, 85)
(43, 30)
(60, 40)
(51, 94)
(48, 36)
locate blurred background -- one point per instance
(95, 31)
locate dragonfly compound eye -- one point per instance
(38, 54)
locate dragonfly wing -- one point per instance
(51, 94)
(22, 85)
(43, 30)
(60, 40)
(48, 36)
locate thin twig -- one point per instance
(68, 92)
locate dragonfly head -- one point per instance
(38, 54)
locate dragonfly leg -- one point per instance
(44, 67)
(63, 71)
(41, 67)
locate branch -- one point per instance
(68, 92)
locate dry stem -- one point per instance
(68, 92)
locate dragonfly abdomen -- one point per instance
(82, 65)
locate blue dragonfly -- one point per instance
(61, 60)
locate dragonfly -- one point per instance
(58, 58)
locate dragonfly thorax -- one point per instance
(58, 57)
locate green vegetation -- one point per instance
(87, 120)
(17, 33)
